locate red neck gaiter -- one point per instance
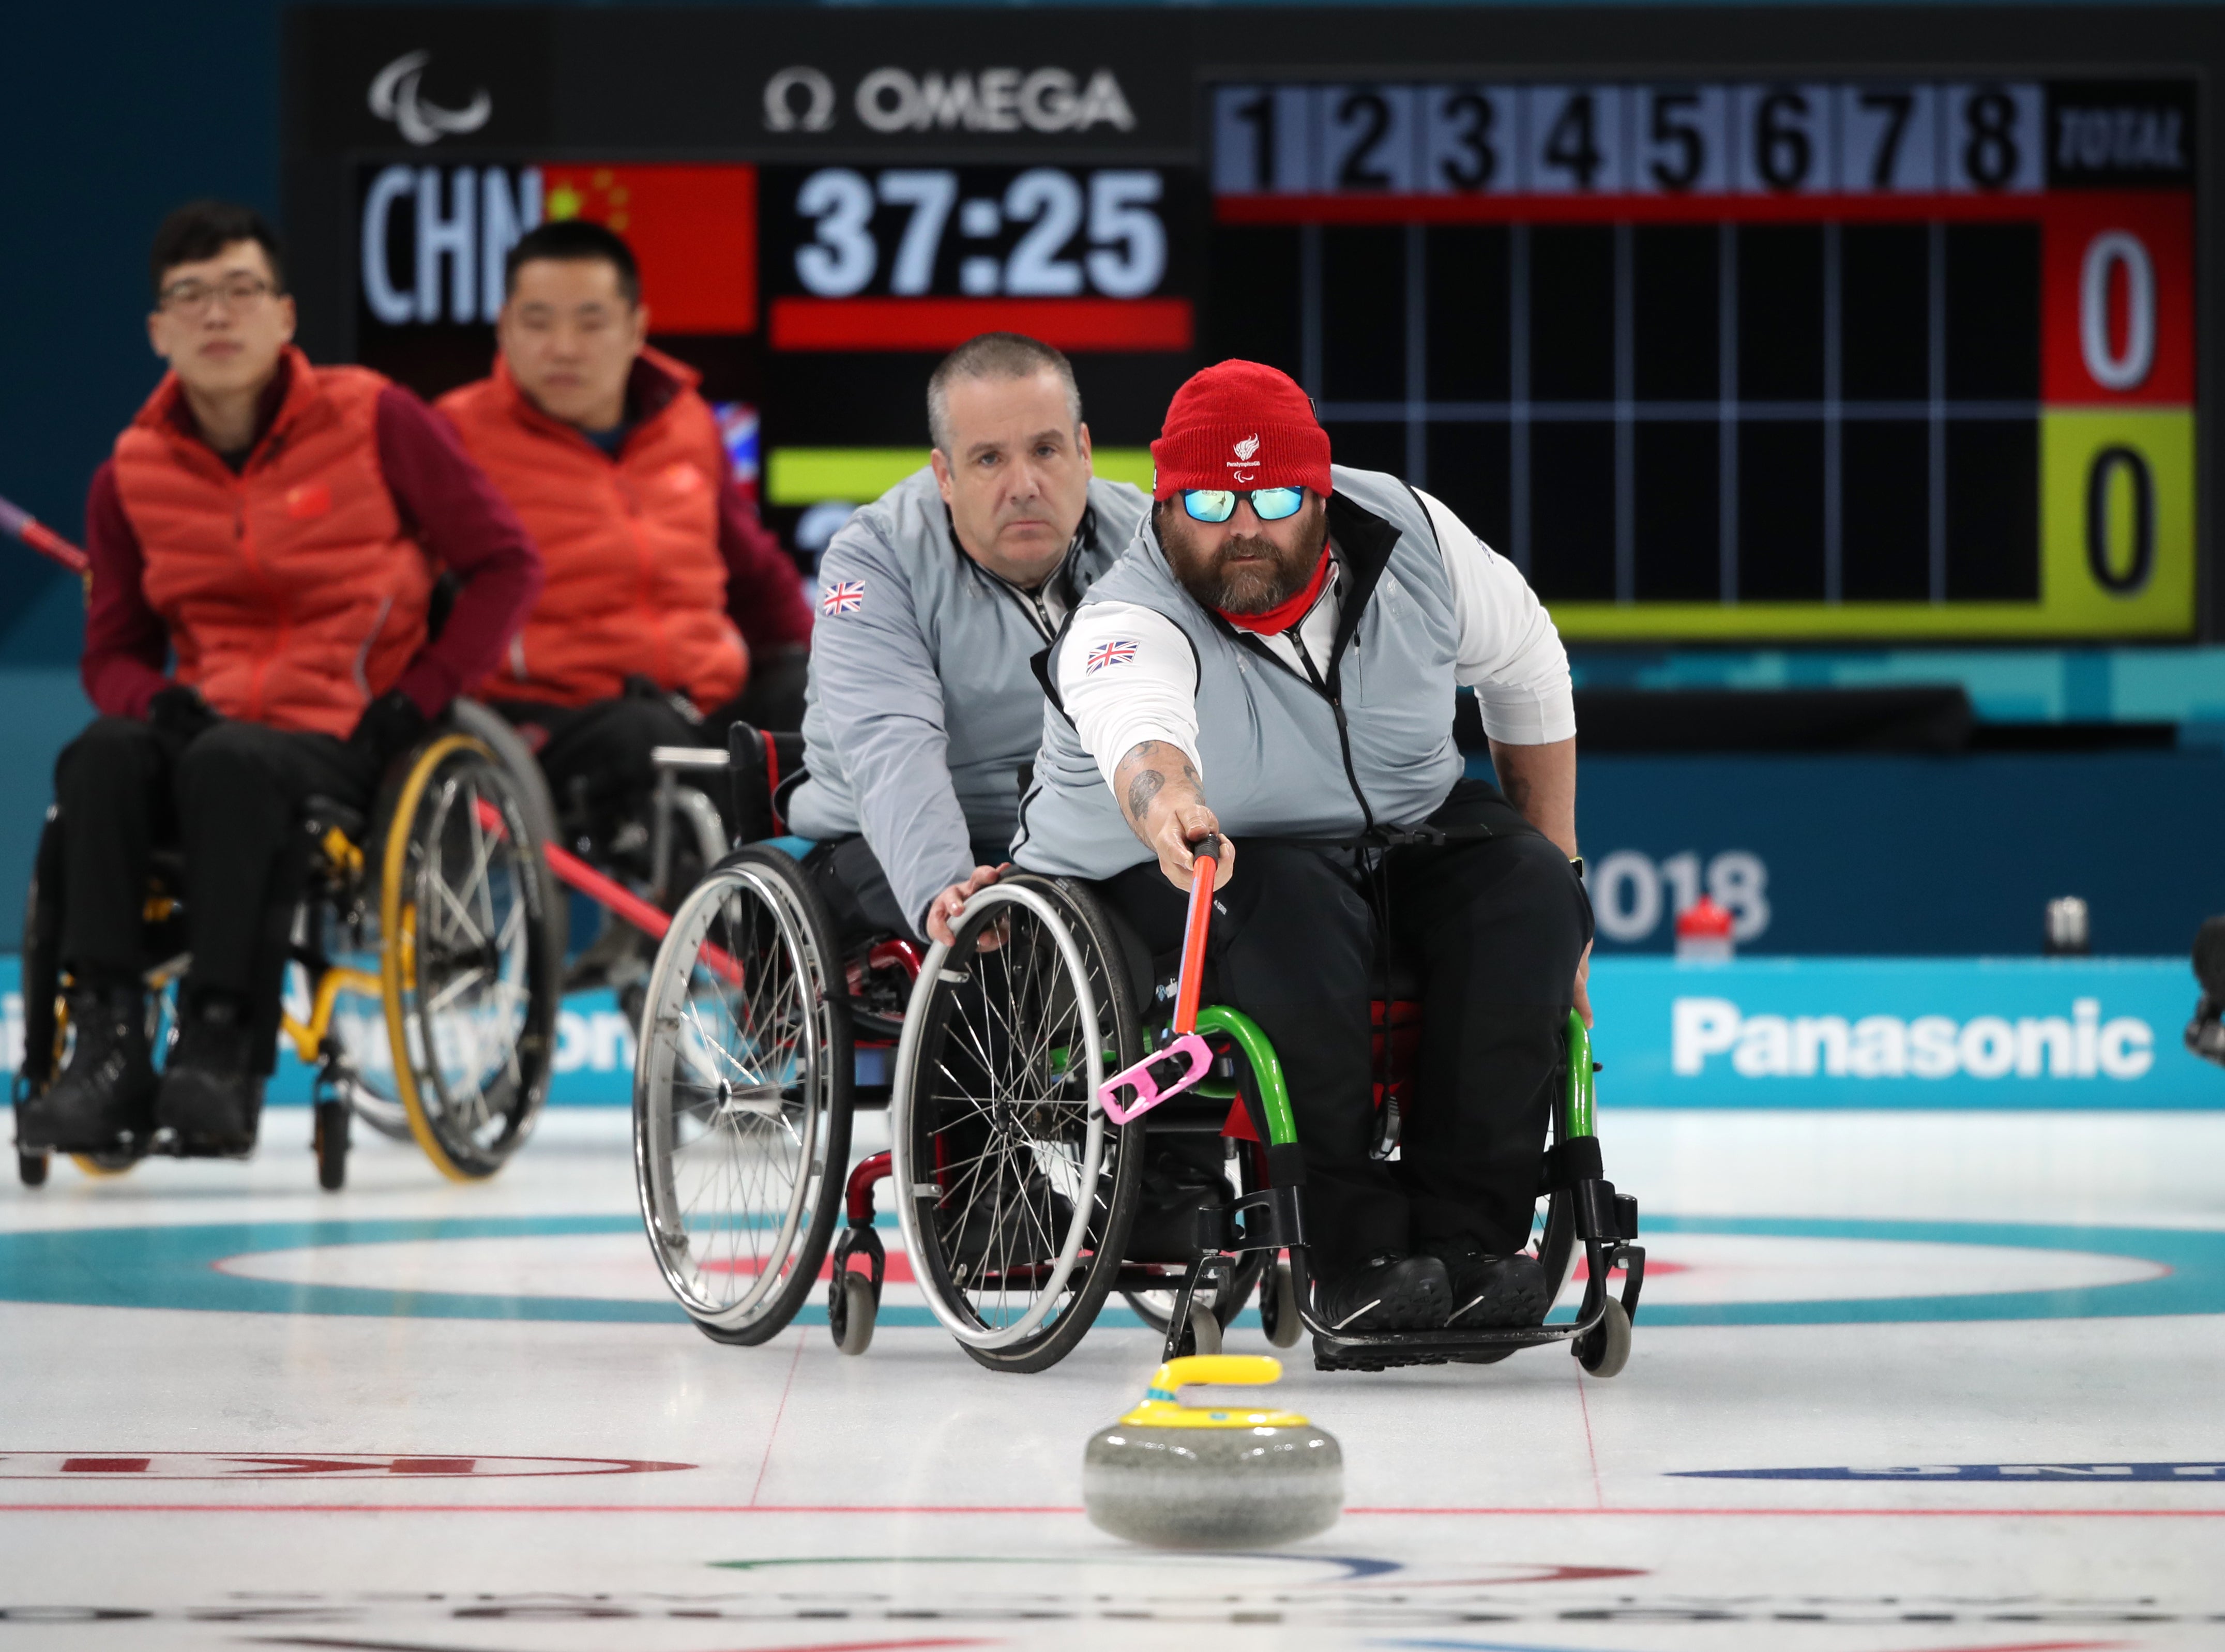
(1275, 621)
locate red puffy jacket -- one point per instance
(292, 592)
(635, 583)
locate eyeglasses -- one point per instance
(1219, 504)
(233, 292)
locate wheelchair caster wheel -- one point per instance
(850, 1310)
(1278, 1305)
(1605, 1350)
(1203, 1336)
(330, 1141)
(31, 1167)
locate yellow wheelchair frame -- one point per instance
(453, 786)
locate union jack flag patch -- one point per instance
(1112, 654)
(846, 597)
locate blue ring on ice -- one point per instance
(176, 1266)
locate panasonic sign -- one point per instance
(2081, 1045)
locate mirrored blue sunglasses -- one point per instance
(1219, 504)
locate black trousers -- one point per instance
(1495, 926)
(848, 877)
(596, 757)
(231, 799)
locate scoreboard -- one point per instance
(1793, 352)
(1772, 359)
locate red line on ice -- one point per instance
(1052, 1509)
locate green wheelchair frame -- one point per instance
(1583, 1207)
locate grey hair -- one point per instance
(994, 355)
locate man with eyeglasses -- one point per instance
(1286, 639)
(265, 542)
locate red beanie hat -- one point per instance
(1240, 425)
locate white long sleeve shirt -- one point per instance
(1510, 654)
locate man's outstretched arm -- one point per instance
(1164, 803)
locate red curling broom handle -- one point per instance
(570, 869)
(14, 519)
(1204, 867)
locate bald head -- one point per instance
(993, 358)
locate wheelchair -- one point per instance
(1014, 1194)
(746, 1075)
(429, 940)
(1017, 1194)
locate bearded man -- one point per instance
(1286, 638)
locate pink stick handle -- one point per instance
(1148, 1091)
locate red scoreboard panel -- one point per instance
(1783, 358)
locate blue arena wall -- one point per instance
(1913, 1034)
(1891, 855)
(1840, 855)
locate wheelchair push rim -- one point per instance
(464, 966)
(1047, 1136)
(742, 1098)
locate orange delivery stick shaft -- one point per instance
(1205, 866)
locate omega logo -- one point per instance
(891, 99)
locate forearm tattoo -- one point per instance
(1155, 765)
(1142, 790)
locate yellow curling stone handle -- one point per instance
(1163, 1407)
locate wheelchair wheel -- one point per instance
(1605, 1350)
(1156, 1308)
(1278, 1305)
(492, 729)
(41, 980)
(1014, 1191)
(467, 972)
(851, 1312)
(697, 842)
(742, 1097)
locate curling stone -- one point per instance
(1192, 1476)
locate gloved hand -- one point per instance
(179, 712)
(389, 725)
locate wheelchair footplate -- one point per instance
(1606, 1226)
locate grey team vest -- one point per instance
(980, 633)
(1274, 748)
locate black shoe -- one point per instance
(1391, 1291)
(104, 1099)
(1490, 1291)
(211, 1096)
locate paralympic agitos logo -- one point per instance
(892, 99)
(393, 97)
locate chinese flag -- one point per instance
(694, 229)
